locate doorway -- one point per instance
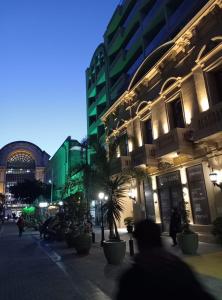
(170, 196)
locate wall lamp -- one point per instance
(132, 195)
(214, 180)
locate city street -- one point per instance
(34, 269)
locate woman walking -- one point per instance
(21, 224)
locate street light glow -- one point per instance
(43, 204)
(101, 195)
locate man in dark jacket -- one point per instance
(156, 273)
(175, 225)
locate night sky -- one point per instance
(46, 46)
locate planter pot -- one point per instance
(70, 240)
(188, 242)
(83, 243)
(114, 251)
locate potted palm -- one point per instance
(115, 248)
(187, 239)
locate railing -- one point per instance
(208, 122)
(119, 164)
(174, 141)
(131, 14)
(144, 155)
(116, 35)
(121, 54)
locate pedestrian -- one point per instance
(175, 225)
(156, 273)
(21, 224)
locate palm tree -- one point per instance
(117, 190)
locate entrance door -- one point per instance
(170, 195)
(170, 198)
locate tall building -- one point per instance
(136, 29)
(169, 123)
(66, 159)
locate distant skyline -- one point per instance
(46, 46)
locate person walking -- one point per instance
(156, 273)
(175, 225)
(21, 224)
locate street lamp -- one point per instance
(51, 182)
(102, 197)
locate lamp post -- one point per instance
(102, 197)
(51, 182)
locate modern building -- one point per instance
(136, 29)
(64, 167)
(20, 161)
(169, 122)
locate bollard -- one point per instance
(93, 237)
(131, 247)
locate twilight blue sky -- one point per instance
(45, 47)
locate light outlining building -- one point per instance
(169, 122)
(21, 161)
(135, 30)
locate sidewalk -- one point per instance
(34, 269)
(97, 274)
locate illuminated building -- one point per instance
(63, 167)
(169, 122)
(20, 161)
(135, 30)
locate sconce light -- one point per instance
(132, 194)
(214, 179)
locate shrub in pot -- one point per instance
(78, 233)
(187, 239)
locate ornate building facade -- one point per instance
(136, 28)
(169, 122)
(21, 161)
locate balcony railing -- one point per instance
(208, 122)
(144, 155)
(118, 164)
(174, 141)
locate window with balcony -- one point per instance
(175, 113)
(100, 109)
(92, 119)
(147, 132)
(122, 142)
(91, 100)
(214, 80)
(147, 8)
(172, 6)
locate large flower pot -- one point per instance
(114, 251)
(188, 242)
(83, 243)
(70, 239)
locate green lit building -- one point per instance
(137, 29)
(67, 158)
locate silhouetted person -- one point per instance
(156, 273)
(175, 225)
(21, 224)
